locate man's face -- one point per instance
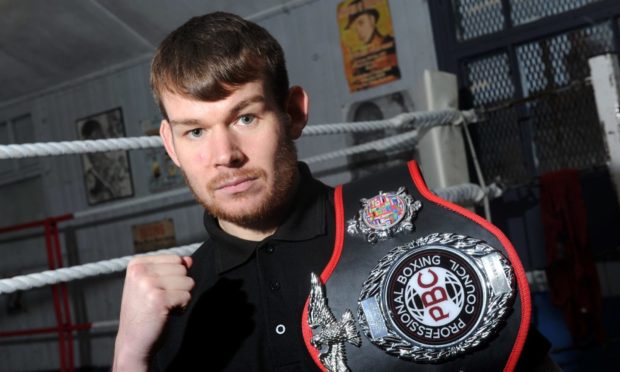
(237, 154)
(364, 26)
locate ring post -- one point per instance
(605, 74)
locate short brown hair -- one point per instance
(209, 56)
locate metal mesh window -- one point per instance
(525, 11)
(557, 61)
(490, 80)
(498, 137)
(567, 133)
(566, 129)
(500, 147)
(476, 18)
(555, 125)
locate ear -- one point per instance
(165, 131)
(297, 109)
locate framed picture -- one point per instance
(148, 237)
(107, 175)
(163, 173)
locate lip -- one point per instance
(236, 185)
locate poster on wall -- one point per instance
(153, 236)
(367, 42)
(163, 173)
(107, 175)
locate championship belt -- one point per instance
(415, 283)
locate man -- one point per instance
(229, 123)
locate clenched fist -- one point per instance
(154, 286)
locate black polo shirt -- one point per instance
(245, 312)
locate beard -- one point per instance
(270, 210)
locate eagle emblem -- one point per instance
(330, 339)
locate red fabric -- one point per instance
(571, 271)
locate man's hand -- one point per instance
(154, 285)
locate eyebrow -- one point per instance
(247, 102)
(233, 111)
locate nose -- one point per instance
(226, 149)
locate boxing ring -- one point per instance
(411, 127)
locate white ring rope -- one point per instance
(397, 142)
(67, 274)
(408, 120)
(417, 120)
(29, 150)
(466, 194)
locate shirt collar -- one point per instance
(305, 221)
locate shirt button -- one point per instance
(269, 249)
(280, 329)
(274, 285)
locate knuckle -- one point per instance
(191, 283)
(138, 260)
(156, 298)
(148, 283)
(137, 269)
(172, 258)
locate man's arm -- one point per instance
(154, 285)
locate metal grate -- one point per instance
(498, 137)
(525, 11)
(557, 61)
(555, 125)
(476, 18)
(566, 129)
(489, 80)
(567, 133)
(500, 148)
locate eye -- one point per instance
(195, 133)
(246, 119)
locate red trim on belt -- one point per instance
(524, 289)
(327, 272)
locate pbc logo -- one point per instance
(435, 297)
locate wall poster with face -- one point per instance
(107, 175)
(367, 42)
(163, 173)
